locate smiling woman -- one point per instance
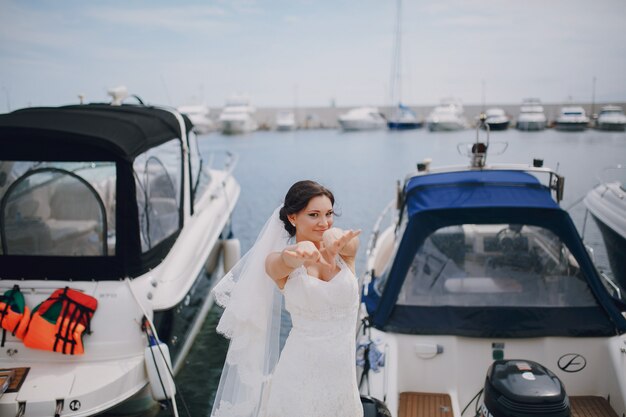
(314, 277)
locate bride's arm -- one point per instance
(279, 265)
(346, 242)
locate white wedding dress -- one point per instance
(316, 373)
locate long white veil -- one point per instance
(251, 320)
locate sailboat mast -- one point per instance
(396, 65)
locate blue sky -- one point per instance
(311, 53)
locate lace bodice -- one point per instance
(316, 373)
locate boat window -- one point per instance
(158, 176)
(200, 177)
(57, 208)
(495, 265)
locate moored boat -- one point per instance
(572, 119)
(611, 118)
(285, 121)
(200, 116)
(112, 232)
(479, 293)
(403, 118)
(496, 119)
(237, 116)
(532, 116)
(362, 118)
(448, 116)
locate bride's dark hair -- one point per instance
(297, 199)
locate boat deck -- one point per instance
(590, 406)
(420, 404)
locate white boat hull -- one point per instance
(285, 127)
(412, 365)
(612, 126)
(237, 126)
(446, 126)
(113, 369)
(530, 125)
(353, 125)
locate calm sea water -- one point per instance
(362, 168)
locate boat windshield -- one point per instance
(57, 208)
(508, 265)
(158, 176)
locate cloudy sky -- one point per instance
(311, 52)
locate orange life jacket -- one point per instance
(14, 315)
(58, 323)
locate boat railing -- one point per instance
(611, 285)
(386, 213)
(389, 214)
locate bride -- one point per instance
(300, 260)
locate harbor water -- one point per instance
(362, 169)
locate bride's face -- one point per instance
(312, 221)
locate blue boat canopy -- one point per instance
(489, 253)
(475, 189)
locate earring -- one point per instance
(293, 224)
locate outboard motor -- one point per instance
(373, 407)
(522, 388)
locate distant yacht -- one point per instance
(611, 118)
(447, 116)
(497, 119)
(362, 118)
(572, 119)
(200, 117)
(403, 118)
(532, 116)
(237, 116)
(285, 121)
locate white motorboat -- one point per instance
(572, 119)
(238, 116)
(607, 204)
(200, 116)
(285, 121)
(112, 233)
(532, 116)
(611, 118)
(448, 116)
(479, 293)
(362, 118)
(497, 119)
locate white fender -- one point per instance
(213, 258)
(158, 366)
(232, 253)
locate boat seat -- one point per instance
(482, 285)
(591, 406)
(75, 220)
(421, 404)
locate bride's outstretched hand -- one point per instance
(302, 253)
(335, 240)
